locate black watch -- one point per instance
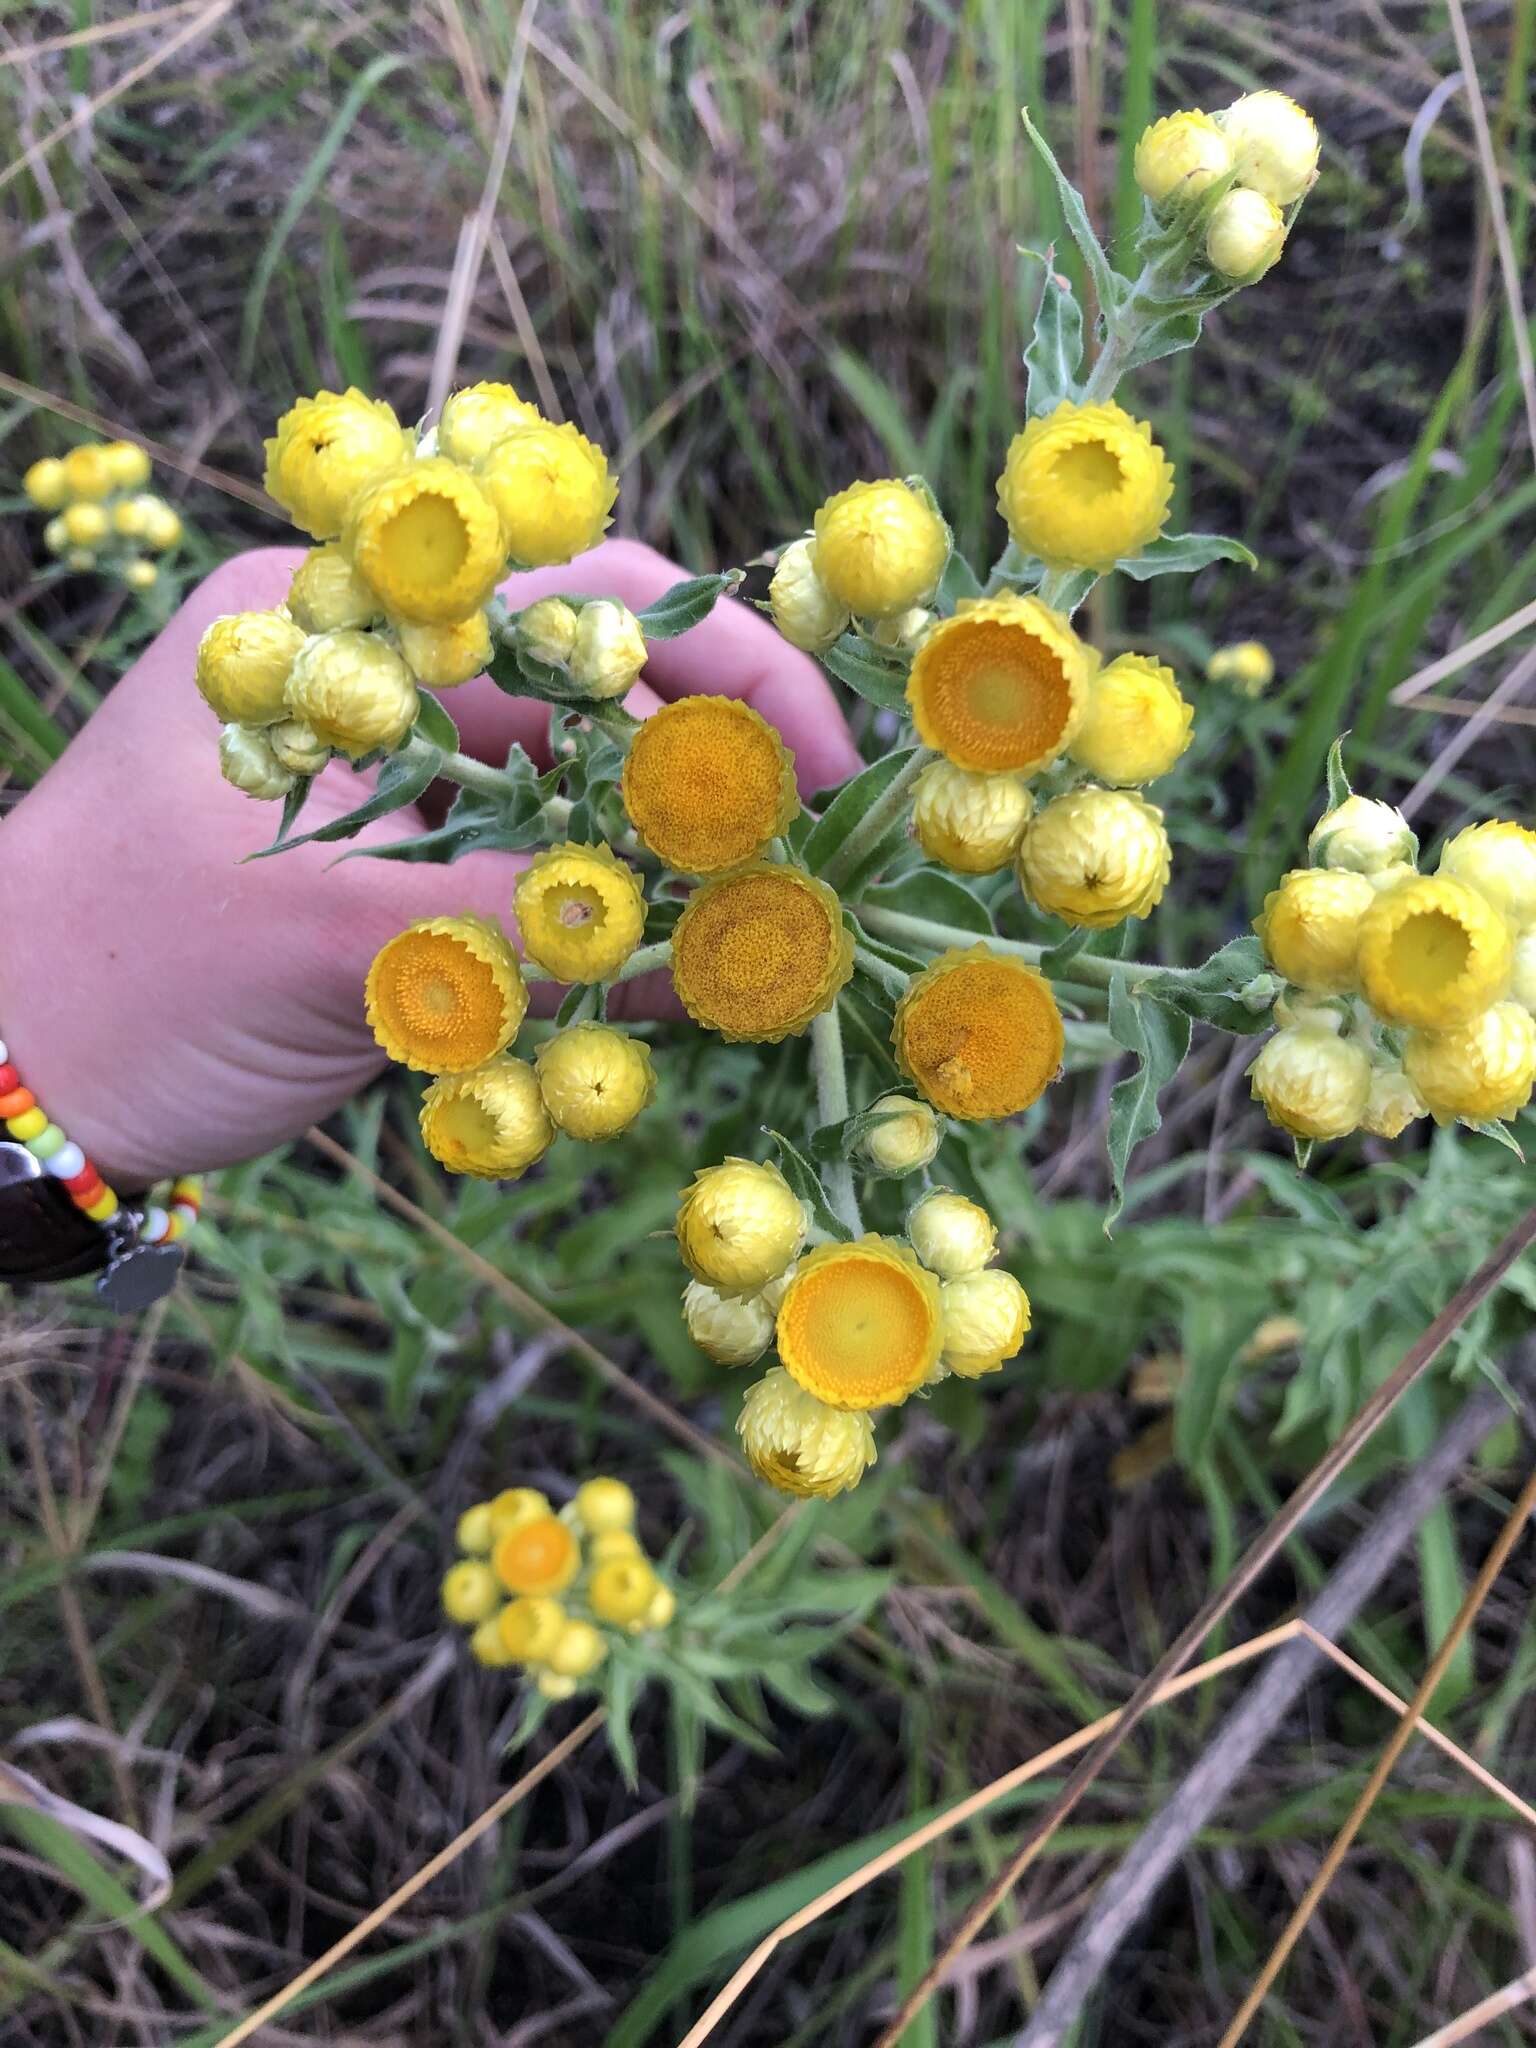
(44, 1237)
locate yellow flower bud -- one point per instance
(354, 690)
(1137, 725)
(952, 1236)
(554, 1685)
(804, 610)
(326, 450)
(1522, 984)
(1274, 143)
(1180, 157)
(298, 746)
(1310, 927)
(1433, 952)
(327, 593)
(612, 1543)
(547, 630)
(580, 911)
(1482, 1070)
(127, 464)
(1498, 859)
(907, 1138)
(739, 1225)
(972, 823)
(1393, 1104)
(880, 548)
(621, 1590)
(1362, 834)
(609, 650)
(55, 539)
(1085, 486)
(662, 1609)
(730, 1329)
(46, 483)
(531, 1626)
(986, 1316)
(130, 518)
(474, 1532)
(1244, 235)
(243, 664)
(902, 629)
(1095, 856)
(552, 490)
(470, 1592)
(162, 526)
(603, 1505)
(86, 524)
(247, 760)
(1312, 1083)
(486, 1645)
(88, 471)
(490, 1123)
(799, 1444)
(140, 575)
(1247, 665)
(578, 1650)
(474, 420)
(444, 656)
(515, 1505)
(80, 558)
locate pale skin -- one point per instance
(176, 1010)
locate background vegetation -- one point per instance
(756, 251)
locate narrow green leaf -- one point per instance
(873, 676)
(806, 1182)
(293, 803)
(401, 780)
(1055, 352)
(959, 580)
(845, 811)
(433, 723)
(1159, 1038)
(879, 404)
(1181, 554)
(1338, 781)
(1107, 283)
(941, 898)
(685, 604)
(1233, 990)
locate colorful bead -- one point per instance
(85, 1183)
(5, 1052)
(16, 1102)
(9, 1078)
(103, 1208)
(67, 1161)
(30, 1124)
(49, 1141)
(156, 1224)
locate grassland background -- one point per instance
(756, 251)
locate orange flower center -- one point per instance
(996, 696)
(704, 784)
(754, 952)
(536, 1556)
(982, 1040)
(856, 1332)
(438, 992)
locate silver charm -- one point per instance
(136, 1275)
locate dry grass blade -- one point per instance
(1509, 685)
(99, 32)
(1471, 2022)
(1397, 1742)
(1460, 657)
(1366, 1422)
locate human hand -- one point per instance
(175, 1010)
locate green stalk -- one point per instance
(832, 1107)
(876, 821)
(1087, 970)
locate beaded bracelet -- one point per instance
(80, 1178)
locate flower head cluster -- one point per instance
(1414, 992)
(547, 1591)
(102, 515)
(1246, 666)
(1259, 156)
(446, 996)
(414, 532)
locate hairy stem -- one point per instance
(1088, 970)
(832, 1107)
(876, 822)
(472, 774)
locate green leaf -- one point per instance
(870, 675)
(845, 811)
(1165, 326)
(930, 894)
(1338, 782)
(959, 580)
(1055, 352)
(1159, 1038)
(1181, 554)
(1233, 990)
(434, 724)
(1500, 1133)
(806, 1182)
(1058, 958)
(685, 604)
(293, 803)
(1107, 283)
(401, 780)
(880, 406)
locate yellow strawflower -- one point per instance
(662, 1609)
(906, 1139)
(140, 575)
(428, 540)
(162, 525)
(578, 1651)
(986, 1317)
(972, 823)
(475, 419)
(325, 451)
(470, 1592)
(88, 471)
(707, 783)
(730, 1329)
(130, 519)
(46, 483)
(541, 1556)
(547, 630)
(580, 912)
(612, 1543)
(354, 690)
(880, 548)
(979, 1033)
(298, 746)
(1482, 1070)
(1433, 952)
(446, 994)
(1393, 1104)
(1310, 927)
(1498, 859)
(473, 1531)
(804, 610)
(1181, 156)
(861, 1324)
(530, 1627)
(243, 664)
(552, 489)
(486, 1645)
(327, 593)
(603, 1505)
(1244, 236)
(595, 1081)
(1522, 984)
(127, 464)
(739, 1225)
(1085, 487)
(55, 539)
(490, 1123)
(1362, 834)
(80, 558)
(1247, 665)
(248, 761)
(758, 953)
(1311, 1082)
(1095, 856)
(951, 1235)
(1274, 144)
(609, 649)
(442, 657)
(621, 1590)
(1002, 687)
(554, 1685)
(799, 1444)
(86, 523)
(515, 1505)
(1137, 724)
